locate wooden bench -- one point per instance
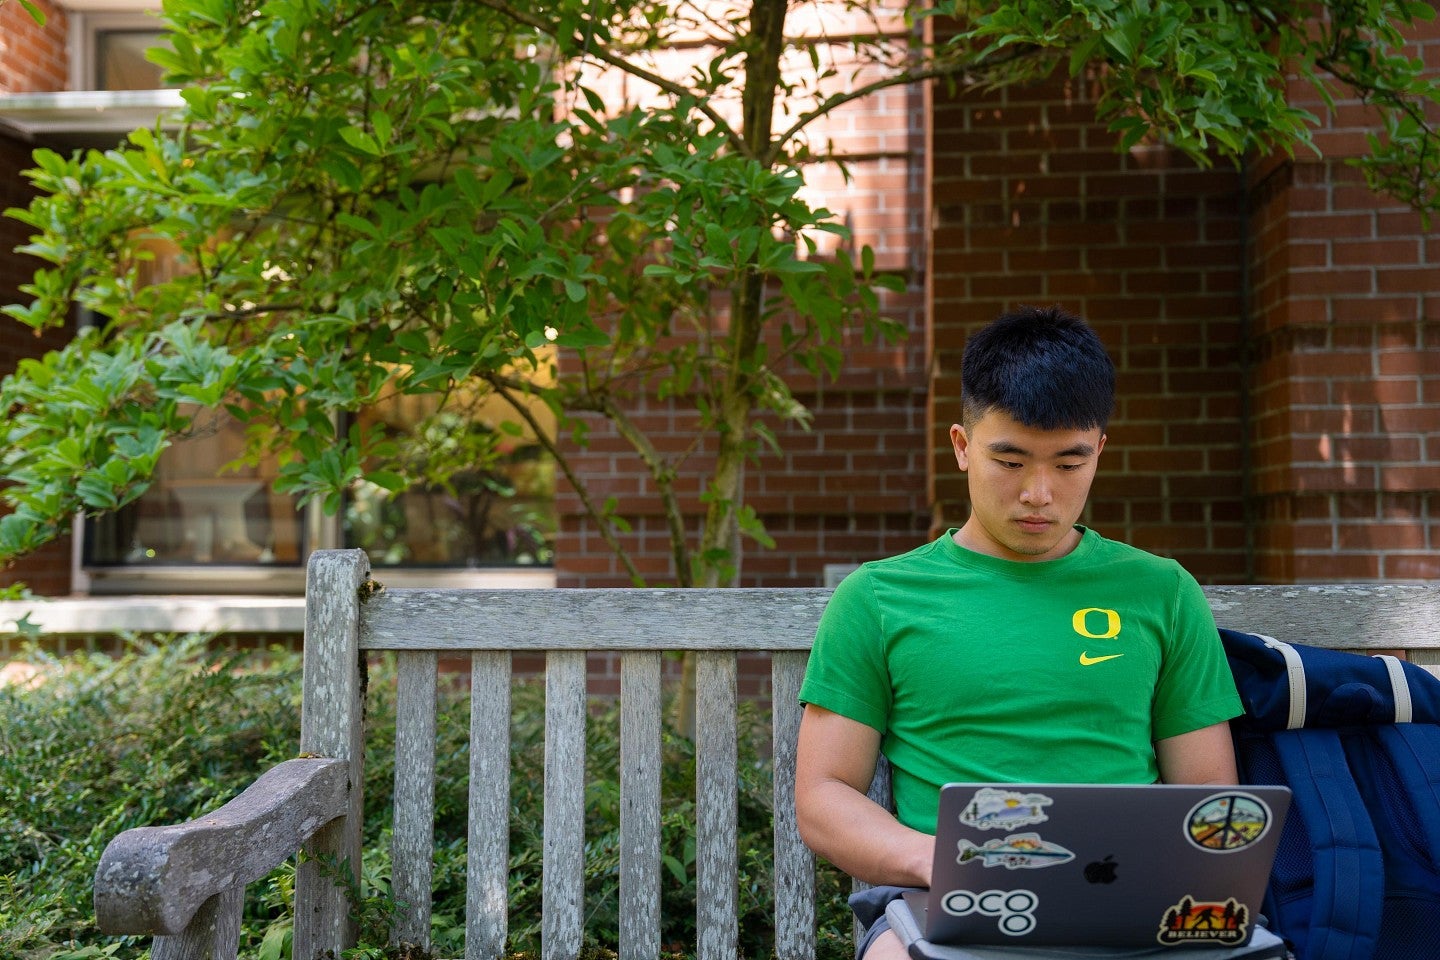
(184, 884)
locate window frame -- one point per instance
(89, 20)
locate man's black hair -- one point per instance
(1044, 367)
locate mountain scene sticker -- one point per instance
(1227, 822)
(996, 809)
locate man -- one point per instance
(1020, 647)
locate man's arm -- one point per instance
(1206, 755)
(834, 763)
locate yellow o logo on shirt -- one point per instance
(1112, 623)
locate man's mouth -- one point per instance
(1034, 524)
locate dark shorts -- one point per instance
(869, 908)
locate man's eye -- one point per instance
(1009, 464)
(1071, 466)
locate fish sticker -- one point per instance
(1019, 851)
(995, 809)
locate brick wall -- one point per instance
(32, 58)
(1346, 433)
(1030, 204)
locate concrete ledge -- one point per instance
(107, 616)
(251, 614)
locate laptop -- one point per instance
(1158, 865)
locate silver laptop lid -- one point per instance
(1095, 864)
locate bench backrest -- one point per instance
(348, 618)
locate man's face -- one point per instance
(1027, 485)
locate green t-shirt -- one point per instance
(975, 668)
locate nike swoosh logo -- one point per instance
(1086, 660)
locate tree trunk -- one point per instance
(721, 532)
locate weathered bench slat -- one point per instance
(214, 933)
(640, 867)
(794, 869)
(1357, 615)
(488, 854)
(1348, 615)
(563, 856)
(332, 725)
(598, 619)
(413, 841)
(715, 802)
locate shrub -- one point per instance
(172, 728)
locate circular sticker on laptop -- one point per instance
(1227, 822)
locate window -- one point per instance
(120, 63)
(211, 524)
(198, 513)
(497, 516)
(107, 50)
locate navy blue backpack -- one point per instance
(1357, 738)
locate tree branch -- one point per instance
(620, 63)
(607, 530)
(661, 470)
(934, 71)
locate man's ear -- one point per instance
(960, 440)
(1101, 446)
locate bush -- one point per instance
(97, 745)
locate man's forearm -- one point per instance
(862, 838)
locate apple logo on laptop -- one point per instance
(1101, 871)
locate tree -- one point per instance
(429, 199)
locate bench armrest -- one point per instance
(152, 880)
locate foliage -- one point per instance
(171, 729)
(1210, 75)
(96, 745)
(374, 199)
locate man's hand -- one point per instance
(834, 764)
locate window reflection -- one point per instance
(197, 513)
(488, 500)
(120, 62)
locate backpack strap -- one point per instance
(1295, 673)
(1400, 686)
(1343, 921)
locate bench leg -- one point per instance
(213, 934)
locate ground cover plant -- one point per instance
(98, 744)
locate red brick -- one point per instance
(1334, 568)
(1411, 567)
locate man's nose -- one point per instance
(1036, 490)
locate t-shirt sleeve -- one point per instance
(1196, 688)
(846, 672)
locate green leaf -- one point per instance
(358, 224)
(387, 480)
(35, 12)
(360, 140)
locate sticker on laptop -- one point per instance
(1019, 851)
(994, 809)
(1201, 921)
(1014, 909)
(1227, 822)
